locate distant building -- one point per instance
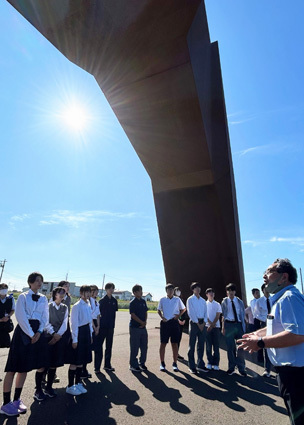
(47, 288)
(123, 295)
(147, 296)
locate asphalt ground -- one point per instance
(155, 397)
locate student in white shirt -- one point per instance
(170, 308)
(197, 312)
(214, 311)
(29, 348)
(80, 349)
(256, 296)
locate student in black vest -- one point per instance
(29, 348)
(7, 309)
(58, 336)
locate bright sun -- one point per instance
(75, 117)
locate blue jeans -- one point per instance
(234, 331)
(196, 334)
(213, 341)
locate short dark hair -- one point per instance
(84, 288)
(32, 277)
(263, 287)
(94, 288)
(253, 291)
(169, 286)
(57, 291)
(284, 266)
(194, 285)
(62, 283)
(3, 286)
(230, 287)
(136, 288)
(209, 290)
(109, 285)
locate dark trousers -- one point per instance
(105, 334)
(181, 327)
(291, 386)
(267, 362)
(213, 341)
(196, 334)
(234, 331)
(138, 340)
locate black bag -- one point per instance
(7, 327)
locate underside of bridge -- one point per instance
(161, 75)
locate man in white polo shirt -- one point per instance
(197, 311)
(214, 311)
(170, 308)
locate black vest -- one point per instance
(6, 307)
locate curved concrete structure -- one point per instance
(155, 64)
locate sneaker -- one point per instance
(143, 367)
(81, 388)
(194, 371)
(231, 372)
(39, 395)
(162, 367)
(135, 369)
(242, 373)
(179, 357)
(73, 390)
(216, 367)
(109, 368)
(209, 366)
(56, 379)
(202, 369)
(175, 367)
(50, 392)
(266, 374)
(9, 409)
(20, 406)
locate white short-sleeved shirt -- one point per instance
(212, 309)
(170, 306)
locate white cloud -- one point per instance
(21, 217)
(293, 241)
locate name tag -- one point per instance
(269, 325)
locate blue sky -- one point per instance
(81, 202)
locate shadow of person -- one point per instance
(67, 409)
(120, 394)
(9, 420)
(162, 392)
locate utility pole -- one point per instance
(66, 276)
(2, 265)
(301, 280)
(103, 283)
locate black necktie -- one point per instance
(234, 311)
(268, 306)
(35, 297)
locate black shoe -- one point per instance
(109, 368)
(230, 372)
(143, 367)
(175, 367)
(50, 392)
(162, 367)
(39, 396)
(179, 357)
(56, 379)
(203, 369)
(193, 371)
(135, 369)
(242, 373)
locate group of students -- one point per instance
(51, 334)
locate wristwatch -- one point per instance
(261, 343)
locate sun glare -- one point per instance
(75, 117)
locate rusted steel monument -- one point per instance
(160, 73)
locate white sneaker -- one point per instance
(162, 367)
(209, 366)
(216, 368)
(74, 390)
(81, 388)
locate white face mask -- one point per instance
(3, 291)
(177, 293)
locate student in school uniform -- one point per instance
(181, 321)
(108, 306)
(96, 325)
(57, 336)
(67, 298)
(213, 334)
(80, 347)
(29, 348)
(138, 331)
(7, 309)
(170, 308)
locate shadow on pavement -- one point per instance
(162, 392)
